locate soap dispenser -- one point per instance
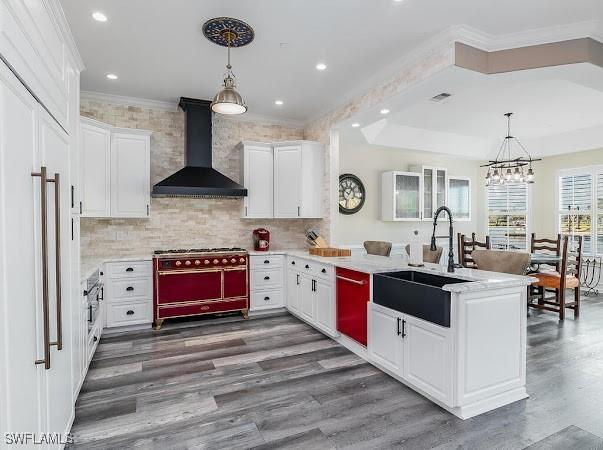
(416, 250)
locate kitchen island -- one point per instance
(469, 361)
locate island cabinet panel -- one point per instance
(492, 345)
(293, 290)
(428, 352)
(385, 344)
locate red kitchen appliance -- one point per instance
(199, 281)
(353, 292)
(261, 240)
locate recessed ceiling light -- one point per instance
(384, 111)
(321, 66)
(112, 76)
(398, 1)
(278, 102)
(355, 125)
(99, 16)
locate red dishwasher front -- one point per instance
(353, 291)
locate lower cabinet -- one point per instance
(266, 282)
(128, 293)
(417, 351)
(310, 294)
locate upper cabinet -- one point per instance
(401, 196)
(257, 175)
(298, 179)
(459, 197)
(416, 195)
(283, 180)
(114, 171)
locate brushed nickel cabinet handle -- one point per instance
(57, 271)
(349, 280)
(44, 244)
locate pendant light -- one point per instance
(228, 32)
(506, 168)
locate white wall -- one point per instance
(368, 162)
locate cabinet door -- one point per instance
(385, 342)
(130, 175)
(287, 181)
(308, 299)
(459, 198)
(407, 196)
(435, 190)
(259, 181)
(312, 180)
(325, 306)
(95, 173)
(20, 301)
(54, 149)
(428, 352)
(293, 285)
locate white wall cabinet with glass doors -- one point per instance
(416, 195)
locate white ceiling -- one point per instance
(556, 110)
(157, 49)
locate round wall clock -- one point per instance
(351, 194)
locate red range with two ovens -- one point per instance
(199, 281)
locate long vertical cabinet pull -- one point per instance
(45, 306)
(57, 236)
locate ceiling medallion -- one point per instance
(505, 168)
(228, 32)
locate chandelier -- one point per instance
(505, 168)
(228, 32)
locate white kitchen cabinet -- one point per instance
(428, 351)
(267, 282)
(308, 299)
(257, 175)
(95, 168)
(435, 189)
(414, 350)
(402, 196)
(130, 173)
(36, 397)
(459, 198)
(298, 179)
(385, 345)
(325, 306)
(114, 171)
(128, 293)
(293, 291)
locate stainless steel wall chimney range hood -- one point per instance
(198, 178)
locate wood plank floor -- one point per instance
(277, 383)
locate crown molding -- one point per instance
(169, 106)
(61, 21)
(475, 38)
(128, 101)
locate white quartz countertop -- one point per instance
(477, 280)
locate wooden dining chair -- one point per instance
(429, 255)
(502, 261)
(548, 246)
(465, 247)
(567, 278)
(380, 248)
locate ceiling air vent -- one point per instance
(441, 97)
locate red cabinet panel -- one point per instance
(353, 293)
(203, 308)
(174, 287)
(235, 283)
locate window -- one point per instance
(508, 216)
(580, 203)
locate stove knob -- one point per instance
(242, 260)
(188, 263)
(206, 262)
(224, 261)
(197, 262)
(216, 261)
(233, 260)
(178, 263)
